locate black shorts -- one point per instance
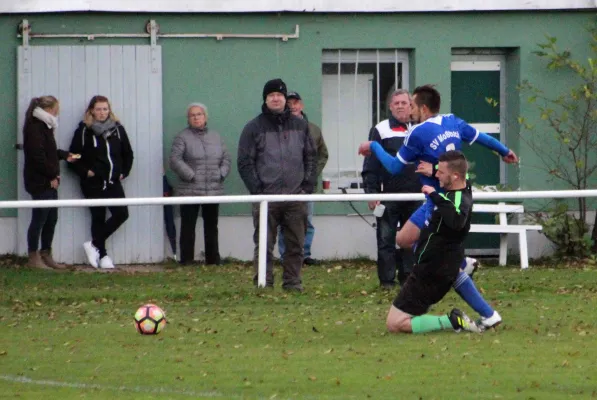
(427, 284)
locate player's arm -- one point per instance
(393, 164)
(453, 210)
(472, 135)
(372, 167)
(406, 155)
(426, 168)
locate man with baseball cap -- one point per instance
(296, 106)
(276, 155)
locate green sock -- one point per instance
(429, 323)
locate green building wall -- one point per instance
(228, 75)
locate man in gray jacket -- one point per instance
(276, 155)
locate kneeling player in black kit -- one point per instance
(439, 254)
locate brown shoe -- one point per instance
(46, 257)
(35, 261)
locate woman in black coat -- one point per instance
(42, 176)
(106, 159)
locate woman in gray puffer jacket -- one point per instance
(201, 161)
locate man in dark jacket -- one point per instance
(391, 133)
(276, 155)
(296, 106)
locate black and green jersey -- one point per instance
(449, 224)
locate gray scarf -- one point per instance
(103, 128)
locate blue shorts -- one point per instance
(422, 214)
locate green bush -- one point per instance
(565, 230)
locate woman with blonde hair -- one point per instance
(42, 176)
(106, 159)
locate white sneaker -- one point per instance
(472, 265)
(106, 263)
(491, 322)
(92, 254)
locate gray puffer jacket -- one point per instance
(201, 161)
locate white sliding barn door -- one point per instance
(131, 77)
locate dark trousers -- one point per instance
(170, 227)
(102, 229)
(390, 259)
(43, 222)
(188, 222)
(292, 217)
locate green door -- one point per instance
(475, 97)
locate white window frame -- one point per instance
(337, 173)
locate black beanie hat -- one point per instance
(275, 85)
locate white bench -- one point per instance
(503, 209)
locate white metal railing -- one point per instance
(152, 28)
(265, 199)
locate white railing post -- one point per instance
(262, 256)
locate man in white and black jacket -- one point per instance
(391, 133)
(276, 155)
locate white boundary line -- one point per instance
(133, 389)
(139, 389)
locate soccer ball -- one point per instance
(150, 319)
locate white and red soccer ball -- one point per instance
(150, 319)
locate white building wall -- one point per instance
(336, 237)
(307, 6)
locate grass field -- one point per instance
(71, 336)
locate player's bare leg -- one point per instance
(408, 235)
(400, 322)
